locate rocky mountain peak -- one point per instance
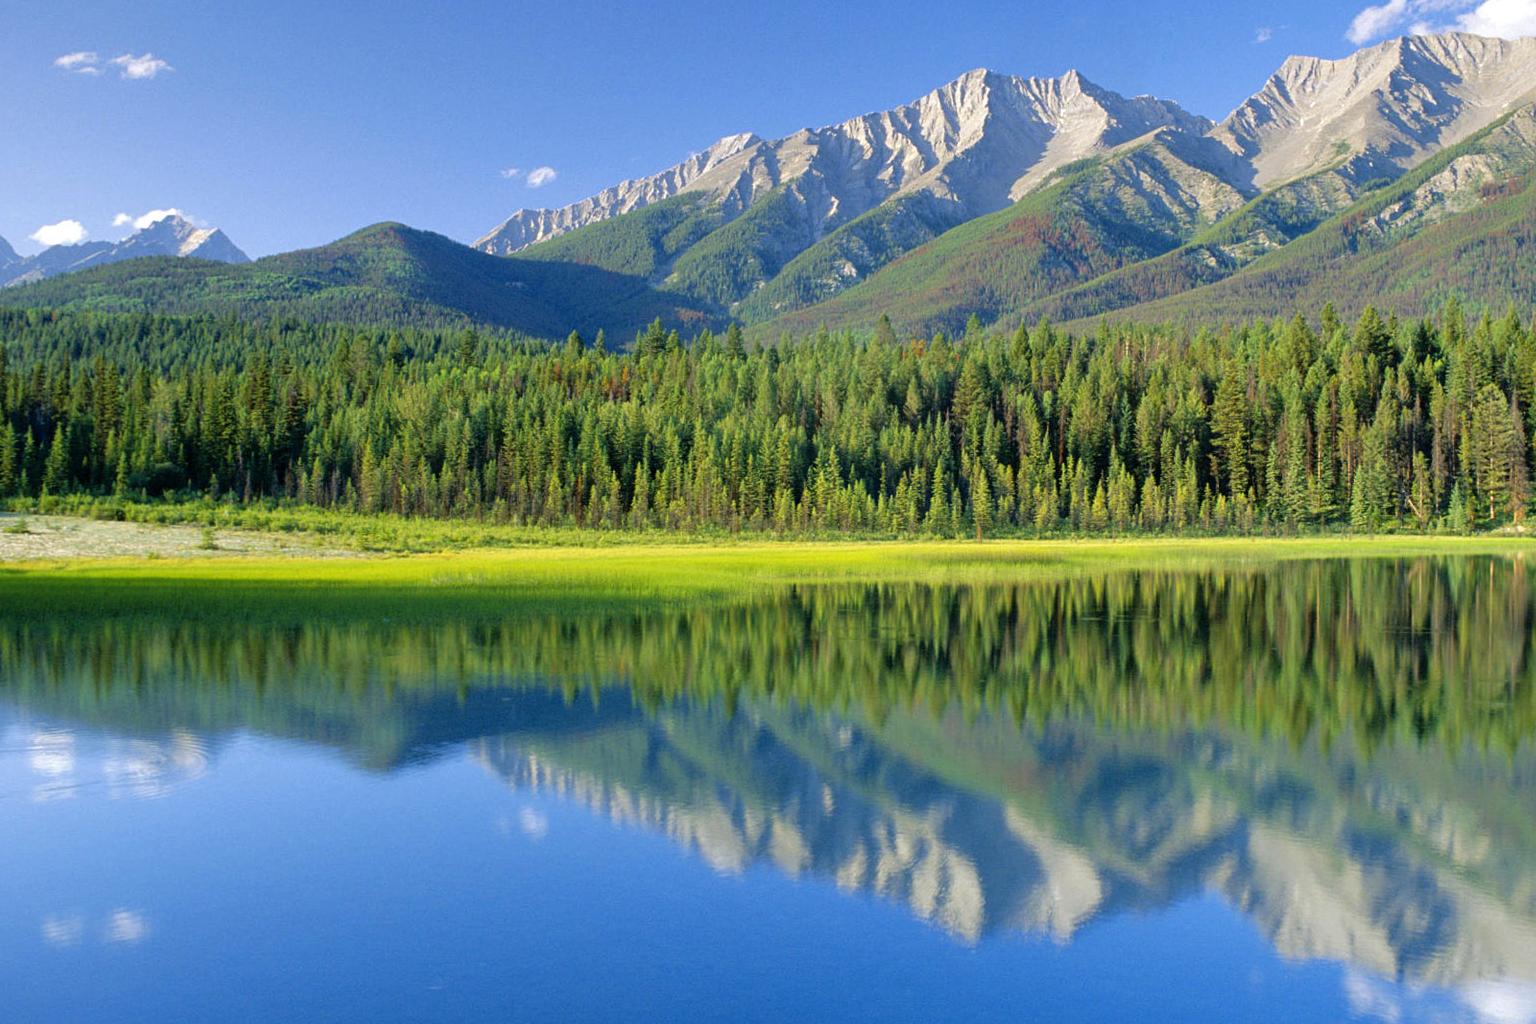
(176, 236)
(171, 235)
(1382, 109)
(978, 141)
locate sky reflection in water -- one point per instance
(1301, 793)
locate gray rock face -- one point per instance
(170, 236)
(7, 255)
(1380, 111)
(1325, 129)
(981, 142)
(1089, 825)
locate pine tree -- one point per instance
(1229, 430)
(56, 469)
(8, 474)
(981, 501)
(1490, 443)
(120, 475)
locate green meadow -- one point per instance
(487, 583)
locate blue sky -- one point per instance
(292, 123)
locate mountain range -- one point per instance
(386, 274)
(1398, 175)
(172, 235)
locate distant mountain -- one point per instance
(385, 274)
(1395, 174)
(7, 256)
(729, 220)
(1002, 197)
(170, 236)
(176, 236)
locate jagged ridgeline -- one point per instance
(1398, 176)
(1341, 749)
(1009, 198)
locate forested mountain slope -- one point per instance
(387, 274)
(1462, 225)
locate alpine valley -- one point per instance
(1398, 176)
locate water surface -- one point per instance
(1298, 792)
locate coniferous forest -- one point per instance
(1300, 423)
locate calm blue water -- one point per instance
(277, 826)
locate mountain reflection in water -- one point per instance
(1341, 750)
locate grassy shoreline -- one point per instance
(489, 582)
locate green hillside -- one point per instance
(1267, 222)
(687, 246)
(644, 242)
(388, 274)
(729, 263)
(1097, 216)
(1404, 248)
(849, 254)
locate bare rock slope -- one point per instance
(765, 229)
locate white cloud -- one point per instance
(511, 172)
(541, 176)
(1506, 18)
(1510, 19)
(81, 62)
(1264, 35)
(65, 232)
(1375, 22)
(141, 67)
(152, 217)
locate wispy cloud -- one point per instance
(153, 216)
(511, 172)
(1375, 22)
(65, 232)
(541, 176)
(127, 927)
(1264, 35)
(1508, 19)
(89, 62)
(142, 67)
(81, 62)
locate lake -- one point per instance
(1293, 791)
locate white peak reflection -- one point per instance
(1501, 1002)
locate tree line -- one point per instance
(1275, 425)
